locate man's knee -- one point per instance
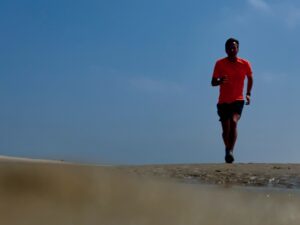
(235, 118)
(233, 124)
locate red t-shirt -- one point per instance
(236, 72)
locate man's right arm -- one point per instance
(215, 81)
(218, 81)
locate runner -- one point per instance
(229, 73)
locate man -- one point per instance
(229, 73)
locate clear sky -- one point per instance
(113, 81)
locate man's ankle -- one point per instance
(228, 150)
(229, 156)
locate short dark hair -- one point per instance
(230, 41)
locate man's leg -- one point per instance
(233, 131)
(227, 140)
(226, 133)
(232, 136)
(237, 108)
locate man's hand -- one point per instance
(248, 96)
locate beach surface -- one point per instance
(249, 175)
(54, 192)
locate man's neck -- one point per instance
(232, 58)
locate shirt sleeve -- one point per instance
(249, 69)
(216, 73)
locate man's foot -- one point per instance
(229, 156)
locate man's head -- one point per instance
(232, 47)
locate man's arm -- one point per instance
(218, 81)
(249, 88)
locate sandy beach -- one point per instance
(53, 192)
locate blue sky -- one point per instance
(128, 82)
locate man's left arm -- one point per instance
(249, 88)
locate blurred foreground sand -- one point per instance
(53, 193)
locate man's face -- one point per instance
(232, 49)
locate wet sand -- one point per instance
(37, 192)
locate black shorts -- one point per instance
(226, 110)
